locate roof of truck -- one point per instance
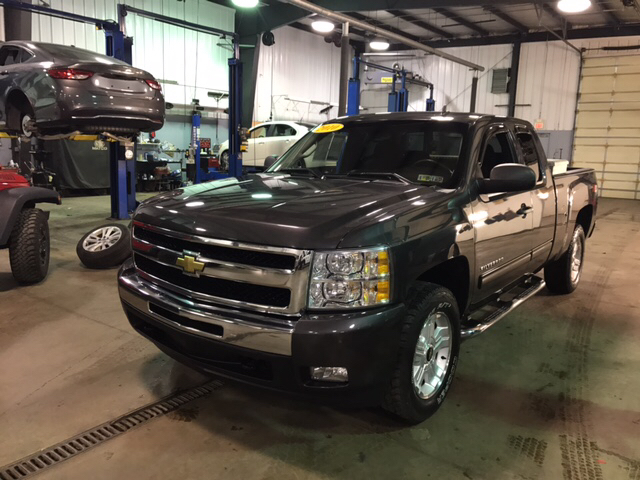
(467, 117)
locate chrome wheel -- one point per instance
(26, 125)
(432, 355)
(576, 258)
(102, 239)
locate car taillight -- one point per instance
(69, 74)
(153, 84)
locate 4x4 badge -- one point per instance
(190, 265)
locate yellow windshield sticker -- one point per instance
(328, 128)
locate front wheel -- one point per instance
(29, 246)
(563, 275)
(428, 354)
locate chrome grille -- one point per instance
(254, 277)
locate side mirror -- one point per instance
(269, 161)
(508, 177)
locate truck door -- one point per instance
(543, 196)
(502, 221)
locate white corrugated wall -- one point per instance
(302, 67)
(193, 60)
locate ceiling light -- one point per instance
(322, 26)
(379, 43)
(245, 3)
(573, 6)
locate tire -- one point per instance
(415, 401)
(224, 161)
(105, 247)
(29, 246)
(562, 276)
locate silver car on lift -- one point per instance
(49, 89)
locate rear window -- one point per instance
(73, 54)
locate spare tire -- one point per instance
(105, 247)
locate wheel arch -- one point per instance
(585, 219)
(14, 200)
(454, 275)
(17, 99)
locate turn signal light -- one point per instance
(153, 84)
(69, 74)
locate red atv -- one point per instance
(24, 229)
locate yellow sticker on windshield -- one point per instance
(328, 128)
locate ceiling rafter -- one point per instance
(552, 12)
(605, 8)
(461, 20)
(386, 26)
(507, 18)
(420, 23)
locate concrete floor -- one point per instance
(553, 391)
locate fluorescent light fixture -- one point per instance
(379, 43)
(245, 3)
(261, 196)
(322, 26)
(573, 6)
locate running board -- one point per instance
(529, 287)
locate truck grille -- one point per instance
(262, 278)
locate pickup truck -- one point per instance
(353, 267)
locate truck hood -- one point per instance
(286, 211)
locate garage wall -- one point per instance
(300, 66)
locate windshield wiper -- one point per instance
(298, 170)
(388, 175)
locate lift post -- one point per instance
(398, 99)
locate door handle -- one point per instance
(524, 209)
(4, 72)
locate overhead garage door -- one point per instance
(608, 124)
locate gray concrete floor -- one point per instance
(553, 391)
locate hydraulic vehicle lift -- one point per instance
(398, 99)
(119, 45)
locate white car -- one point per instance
(265, 139)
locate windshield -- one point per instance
(423, 152)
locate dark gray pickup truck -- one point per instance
(352, 268)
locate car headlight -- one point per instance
(350, 279)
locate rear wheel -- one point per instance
(428, 355)
(563, 274)
(29, 246)
(20, 117)
(224, 161)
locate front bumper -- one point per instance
(266, 350)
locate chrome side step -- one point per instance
(528, 287)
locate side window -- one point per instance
(529, 151)
(282, 130)
(9, 56)
(259, 132)
(25, 56)
(498, 150)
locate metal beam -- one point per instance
(420, 23)
(503, 16)
(513, 78)
(533, 37)
(339, 17)
(607, 11)
(381, 24)
(370, 5)
(552, 12)
(461, 20)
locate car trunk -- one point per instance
(116, 78)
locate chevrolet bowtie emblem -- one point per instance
(190, 265)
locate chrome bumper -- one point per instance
(138, 293)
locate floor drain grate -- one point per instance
(39, 461)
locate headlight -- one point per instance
(350, 279)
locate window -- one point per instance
(425, 152)
(25, 56)
(259, 132)
(9, 56)
(529, 151)
(497, 152)
(282, 130)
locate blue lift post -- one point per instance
(398, 99)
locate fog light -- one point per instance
(330, 374)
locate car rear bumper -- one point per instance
(272, 353)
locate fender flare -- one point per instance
(13, 200)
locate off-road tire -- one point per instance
(557, 274)
(29, 246)
(401, 398)
(110, 257)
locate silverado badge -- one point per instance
(190, 265)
